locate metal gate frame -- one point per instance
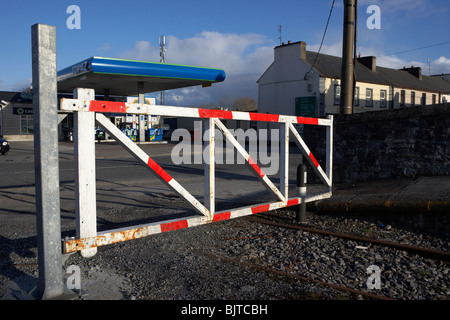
(88, 111)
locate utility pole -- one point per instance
(347, 71)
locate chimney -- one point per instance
(291, 49)
(415, 71)
(370, 62)
(303, 50)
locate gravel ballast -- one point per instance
(240, 260)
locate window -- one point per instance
(424, 99)
(383, 94)
(26, 125)
(337, 94)
(433, 99)
(402, 97)
(356, 99)
(413, 98)
(369, 97)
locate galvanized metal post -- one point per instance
(85, 183)
(301, 192)
(46, 160)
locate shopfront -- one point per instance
(16, 115)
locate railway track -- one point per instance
(368, 295)
(424, 252)
(367, 242)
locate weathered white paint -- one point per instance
(85, 184)
(209, 167)
(84, 106)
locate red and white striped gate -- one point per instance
(88, 111)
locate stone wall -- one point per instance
(398, 143)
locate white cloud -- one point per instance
(243, 57)
(441, 65)
(231, 52)
(334, 49)
(16, 86)
(438, 66)
(105, 47)
(142, 50)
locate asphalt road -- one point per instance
(128, 194)
(123, 182)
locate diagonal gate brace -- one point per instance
(259, 173)
(140, 155)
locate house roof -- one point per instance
(16, 97)
(330, 66)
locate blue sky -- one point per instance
(238, 36)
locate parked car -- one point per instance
(4, 146)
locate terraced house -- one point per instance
(304, 83)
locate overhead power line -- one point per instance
(410, 50)
(323, 38)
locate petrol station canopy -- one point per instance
(121, 77)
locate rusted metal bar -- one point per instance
(141, 231)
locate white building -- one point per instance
(304, 83)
